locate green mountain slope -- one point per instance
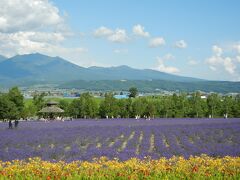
(155, 85)
(46, 69)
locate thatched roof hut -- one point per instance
(51, 109)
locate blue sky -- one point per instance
(190, 38)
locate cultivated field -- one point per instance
(120, 138)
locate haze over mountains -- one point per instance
(36, 68)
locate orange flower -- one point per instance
(195, 169)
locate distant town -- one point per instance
(52, 91)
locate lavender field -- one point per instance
(120, 138)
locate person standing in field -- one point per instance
(16, 123)
(10, 124)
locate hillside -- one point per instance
(38, 68)
(2, 58)
(155, 85)
(29, 69)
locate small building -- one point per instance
(123, 96)
(51, 110)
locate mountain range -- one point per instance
(2, 58)
(41, 68)
(28, 69)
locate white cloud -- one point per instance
(238, 58)
(32, 42)
(71, 54)
(156, 42)
(229, 66)
(217, 50)
(120, 51)
(237, 47)
(193, 62)
(139, 31)
(181, 44)
(218, 61)
(29, 26)
(214, 60)
(3, 23)
(212, 68)
(103, 32)
(25, 15)
(168, 56)
(119, 36)
(164, 68)
(36, 36)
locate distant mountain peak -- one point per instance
(119, 67)
(124, 67)
(39, 67)
(94, 67)
(2, 58)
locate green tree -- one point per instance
(150, 110)
(227, 106)
(139, 107)
(178, 105)
(236, 106)
(196, 109)
(38, 101)
(133, 92)
(63, 104)
(29, 110)
(159, 107)
(124, 107)
(8, 109)
(213, 103)
(88, 106)
(73, 108)
(108, 107)
(168, 105)
(17, 98)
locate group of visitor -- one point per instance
(10, 124)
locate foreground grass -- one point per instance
(202, 167)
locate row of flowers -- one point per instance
(198, 167)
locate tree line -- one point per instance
(12, 106)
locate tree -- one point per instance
(83, 107)
(227, 106)
(88, 106)
(139, 107)
(167, 107)
(124, 107)
(8, 109)
(73, 108)
(213, 102)
(196, 109)
(108, 106)
(63, 104)
(133, 92)
(17, 98)
(177, 106)
(38, 101)
(236, 106)
(159, 107)
(150, 110)
(29, 110)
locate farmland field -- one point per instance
(120, 138)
